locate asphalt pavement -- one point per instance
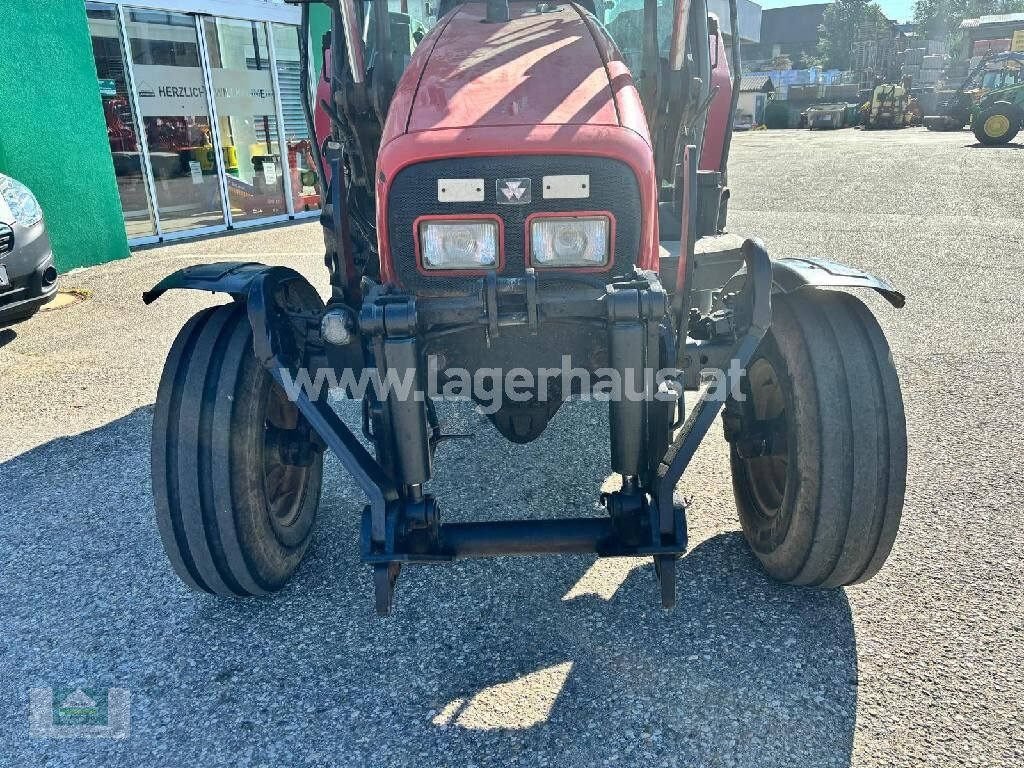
(550, 661)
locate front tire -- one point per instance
(998, 124)
(236, 477)
(824, 507)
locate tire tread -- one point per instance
(845, 494)
(207, 404)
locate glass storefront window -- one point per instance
(204, 130)
(305, 183)
(122, 128)
(172, 99)
(246, 106)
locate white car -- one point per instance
(28, 277)
(742, 122)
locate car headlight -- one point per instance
(459, 244)
(19, 198)
(570, 241)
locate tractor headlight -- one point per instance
(19, 198)
(459, 244)
(570, 241)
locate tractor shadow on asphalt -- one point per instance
(742, 672)
(979, 145)
(507, 661)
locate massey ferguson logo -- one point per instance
(514, 191)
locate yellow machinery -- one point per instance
(888, 107)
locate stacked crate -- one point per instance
(912, 58)
(989, 47)
(841, 92)
(956, 73)
(931, 69)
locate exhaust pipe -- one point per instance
(497, 11)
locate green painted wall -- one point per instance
(319, 22)
(53, 136)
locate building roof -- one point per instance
(748, 18)
(795, 24)
(754, 83)
(983, 21)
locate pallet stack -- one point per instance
(912, 58)
(874, 52)
(931, 69)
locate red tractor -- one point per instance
(528, 194)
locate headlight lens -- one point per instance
(570, 241)
(19, 198)
(470, 244)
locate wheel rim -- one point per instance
(996, 126)
(767, 474)
(284, 483)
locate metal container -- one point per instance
(826, 116)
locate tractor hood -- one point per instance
(535, 69)
(550, 83)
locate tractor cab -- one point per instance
(999, 71)
(533, 195)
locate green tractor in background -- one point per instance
(999, 115)
(996, 72)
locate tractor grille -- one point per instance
(6, 239)
(613, 188)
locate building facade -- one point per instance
(203, 110)
(755, 90)
(791, 32)
(170, 118)
(993, 34)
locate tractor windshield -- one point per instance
(624, 20)
(412, 19)
(409, 24)
(1002, 78)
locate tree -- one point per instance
(838, 28)
(781, 64)
(805, 60)
(937, 19)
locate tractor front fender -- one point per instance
(791, 275)
(281, 305)
(273, 296)
(232, 277)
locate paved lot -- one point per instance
(551, 661)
